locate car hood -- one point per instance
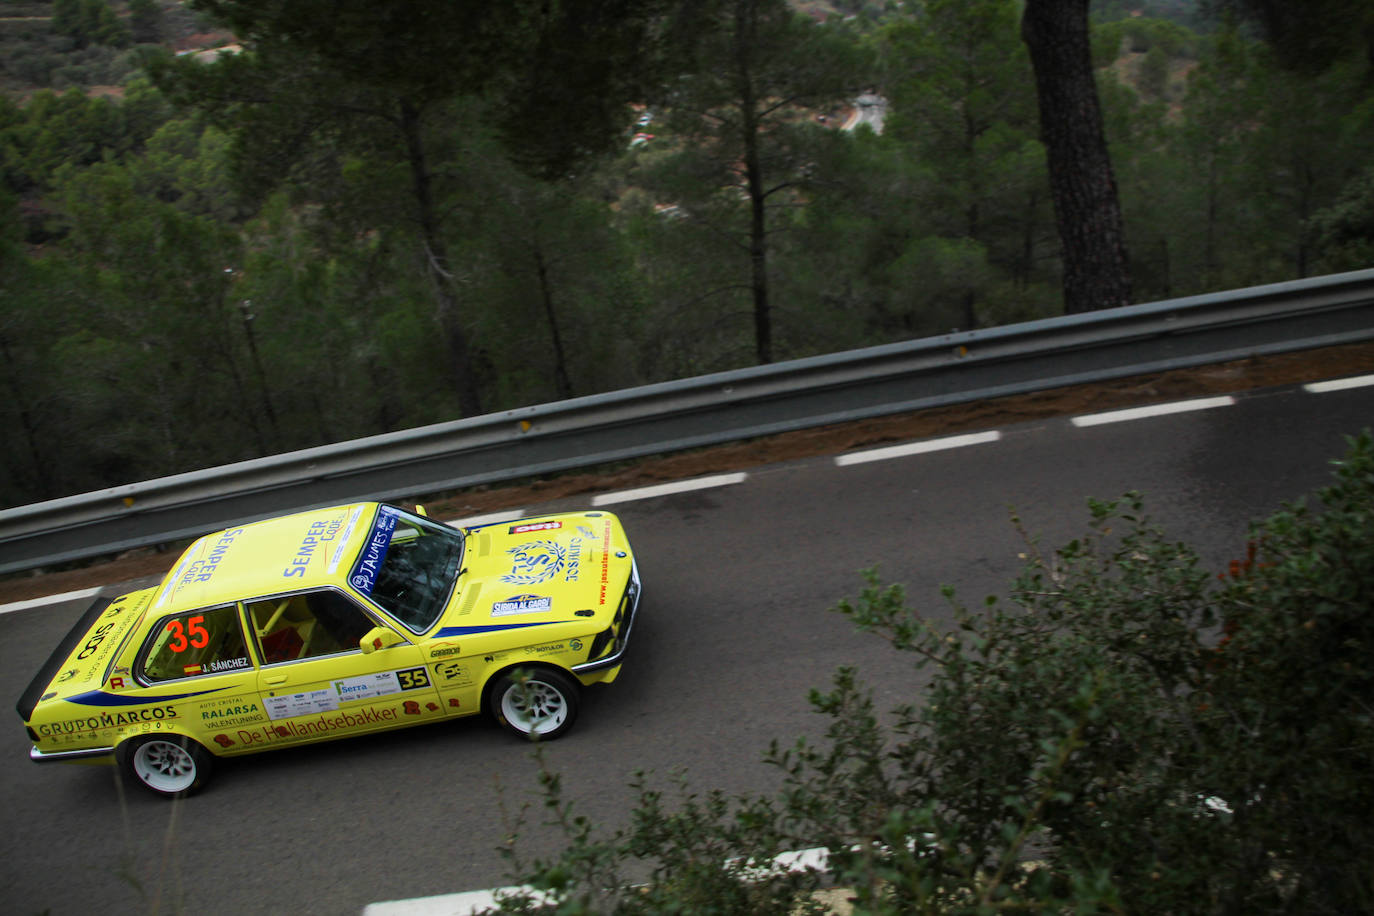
(558, 568)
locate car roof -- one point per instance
(304, 550)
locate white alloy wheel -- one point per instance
(542, 703)
(172, 766)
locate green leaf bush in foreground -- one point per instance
(1127, 732)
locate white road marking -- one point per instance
(1154, 410)
(916, 448)
(491, 518)
(464, 904)
(667, 489)
(50, 599)
(1338, 384)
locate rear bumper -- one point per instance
(622, 640)
(85, 754)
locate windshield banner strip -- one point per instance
(364, 577)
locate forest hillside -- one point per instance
(232, 228)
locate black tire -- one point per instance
(536, 703)
(172, 766)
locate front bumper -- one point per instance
(622, 639)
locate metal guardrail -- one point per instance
(706, 410)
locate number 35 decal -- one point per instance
(192, 635)
(412, 678)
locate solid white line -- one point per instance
(1339, 384)
(667, 489)
(916, 448)
(50, 599)
(1154, 410)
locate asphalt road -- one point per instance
(734, 630)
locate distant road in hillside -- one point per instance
(869, 109)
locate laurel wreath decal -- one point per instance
(535, 562)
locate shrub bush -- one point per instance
(1127, 732)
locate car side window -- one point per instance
(197, 643)
(307, 625)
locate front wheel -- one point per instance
(172, 766)
(540, 703)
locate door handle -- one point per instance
(279, 679)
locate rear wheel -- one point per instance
(540, 703)
(172, 766)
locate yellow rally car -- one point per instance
(333, 623)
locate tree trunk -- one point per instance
(1096, 272)
(562, 382)
(745, 21)
(437, 266)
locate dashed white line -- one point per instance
(1154, 410)
(667, 489)
(467, 903)
(1338, 384)
(50, 599)
(491, 518)
(916, 448)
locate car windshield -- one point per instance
(409, 566)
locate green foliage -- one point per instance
(89, 22)
(434, 208)
(1128, 732)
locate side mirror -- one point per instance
(376, 638)
(420, 511)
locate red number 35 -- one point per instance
(195, 627)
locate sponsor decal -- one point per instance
(310, 728)
(385, 683)
(605, 558)
(574, 559)
(191, 669)
(369, 563)
(522, 604)
(224, 741)
(314, 539)
(545, 649)
(530, 527)
(411, 708)
(97, 637)
(230, 712)
(343, 535)
(237, 713)
(216, 555)
(367, 686)
(453, 701)
(67, 675)
(575, 645)
(535, 562)
(106, 720)
(444, 650)
(116, 683)
(311, 702)
(452, 674)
